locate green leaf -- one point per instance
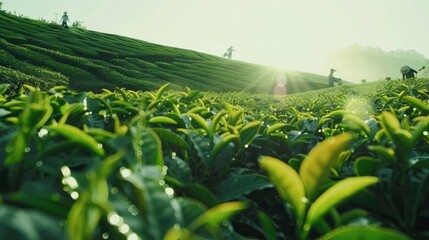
(335, 195)
(160, 91)
(215, 122)
(287, 182)
(389, 122)
(235, 186)
(222, 144)
(417, 103)
(215, 216)
(249, 131)
(201, 146)
(354, 122)
(200, 121)
(363, 232)
(336, 114)
(35, 115)
(108, 165)
(162, 120)
(197, 192)
(178, 233)
(4, 112)
(83, 218)
(268, 228)
(151, 148)
(153, 202)
(3, 88)
(16, 148)
(277, 126)
(28, 224)
(79, 137)
(420, 129)
(167, 136)
(385, 153)
(316, 165)
(366, 166)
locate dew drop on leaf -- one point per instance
(133, 210)
(74, 195)
(43, 132)
(27, 149)
(139, 153)
(71, 182)
(169, 191)
(125, 172)
(115, 219)
(425, 133)
(133, 236)
(105, 235)
(39, 163)
(124, 228)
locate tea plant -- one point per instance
(168, 164)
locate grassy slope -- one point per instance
(45, 54)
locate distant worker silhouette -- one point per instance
(64, 20)
(228, 52)
(333, 79)
(408, 72)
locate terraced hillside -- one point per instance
(45, 55)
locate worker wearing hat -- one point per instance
(64, 20)
(333, 79)
(408, 72)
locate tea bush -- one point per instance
(168, 164)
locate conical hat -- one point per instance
(405, 69)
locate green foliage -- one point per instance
(124, 163)
(166, 164)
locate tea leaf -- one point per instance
(356, 122)
(4, 87)
(160, 91)
(200, 121)
(79, 137)
(167, 136)
(422, 106)
(214, 216)
(249, 131)
(287, 182)
(315, 167)
(363, 232)
(335, 195)
(222, 144)
(236, 186)
(162, 120)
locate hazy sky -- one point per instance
(291, 34)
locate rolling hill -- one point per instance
(44, 55)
